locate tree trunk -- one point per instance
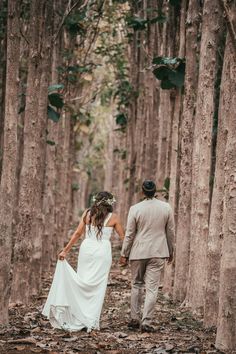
(50, 179)
(3, 7)
(174, 147)
(8, 179)
(187, 124)
(200, 208)
(226, 329)
(216, 217)
(36, 257)
(28, 238)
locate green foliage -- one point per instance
(167, 183)
(139, 24)
(55, 87)
(166, 188)
(136, 23)
(84, 117)
(50, 142)
(167, 61)
(175, 3)
(114, 55)
(106, 96)
(170, 71)
(56, 100)
(75, 187)
(121, 119)
(71, 73)
(124, 92)
(74, 23)
(120, 1)
(53, 115)
(121, 153)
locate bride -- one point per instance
(75, 300)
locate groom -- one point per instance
(148, 242)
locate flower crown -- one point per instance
(109, 201)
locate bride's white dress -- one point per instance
(75, 300)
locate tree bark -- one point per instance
(3, 40)
(9, 166)
(187, 124)
(174, 150)
(226, 329)
(28, 239)
(50, 230)
(216, 217)
(200, 207)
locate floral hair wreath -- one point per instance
(109, 201)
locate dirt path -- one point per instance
(177, 331)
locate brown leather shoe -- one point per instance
(133, 324)
(148, 329)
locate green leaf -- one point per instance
(56, 100)
(121, 119)
(160, 19)
(161, 73)
(53, 115)
(177, 78)
(50, 142)
(137, 23)
(75, 186)
(166, 60)
(21, 109)
(166, 84)
(167, 183)
(157, 60)
(175, 2)
(55, 87)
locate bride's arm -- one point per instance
(119, 228)
(74, 238)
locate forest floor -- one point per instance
(177, 330)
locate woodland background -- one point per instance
(101, 95)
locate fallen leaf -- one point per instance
(28, 340)
(19, 347)
(133, 337)
(169, 347)
(71, 339)
(144, 335)
(121, 334)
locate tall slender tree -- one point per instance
(202, 147)
(8, 185)
(28, 237)
(226, 329)
(187, 124)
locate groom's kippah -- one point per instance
(149, 186)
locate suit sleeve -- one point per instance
(129, 234)
(170, 232)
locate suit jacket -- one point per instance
(149, 231)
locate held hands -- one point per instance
(62, 255)
(170, 259)
(123, 261)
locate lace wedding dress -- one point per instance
(75, 300)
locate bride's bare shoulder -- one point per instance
(115, 217)
(86, 216)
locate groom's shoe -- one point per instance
(148, 329)
(133, 324)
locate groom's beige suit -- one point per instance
(148, 242)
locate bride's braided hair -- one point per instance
(102, 206)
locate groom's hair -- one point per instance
(149, 188)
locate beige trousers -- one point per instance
(145, 272)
